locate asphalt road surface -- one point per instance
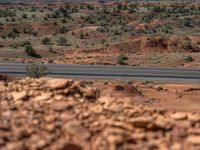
(109, 72)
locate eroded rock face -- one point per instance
(35, 114)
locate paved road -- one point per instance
(109, 72)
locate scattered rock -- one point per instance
(61, 106)
(3, 77)
(56, 84)
(194, 139)
(71, 146)
(179, 116)
(76, 129)
(158, 87)
(119, 88)
(141, 122)
(20, 95)
(63, 117)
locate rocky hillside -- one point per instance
(60, 114)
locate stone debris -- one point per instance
(62, 114)
(4, 77)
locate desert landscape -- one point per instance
(143, 33)
(39, 111)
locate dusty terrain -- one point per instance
(149, 34)
(62, 114)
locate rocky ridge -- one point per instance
(62, 114)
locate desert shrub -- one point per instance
(82, 35)
(37, 70)
(14, 30)
(90, 7)
(119, 6)
(132, 8)
(187, 45)
(33, 15)
(50, 61)
(122, 58)
(15, 46)
(103, 41)
(46, 41)
(187, 22)
(12, 35)
(29, 50)
(147, 17)
(33, 9)
(3, 36)
(25, 43)
(62, 29)
(34, 33)
(62, 41)
(24, 16)
(73, 33)
(158, 9)
(63, 21)
(13, 19)
(188, 59)
(7, 13)
(29, 30)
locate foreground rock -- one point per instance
(3, 77)
(60, 114)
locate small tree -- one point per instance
(37, 70)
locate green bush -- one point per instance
(188, 59)
(24, 16)
(187, 45)
(82, 35)
(15, 46)
(46, 41)
(25, 43)
(37, 70)
(90, 7)
(62, 29)
(62, 41)
(122, 59)
(187, 22)
(29, 50)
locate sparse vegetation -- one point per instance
(133, 27)
(29, 50)
(122, 59)
(62, 41)
(188, 59)
(37, 70)
(46, 41)
(62, 30)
